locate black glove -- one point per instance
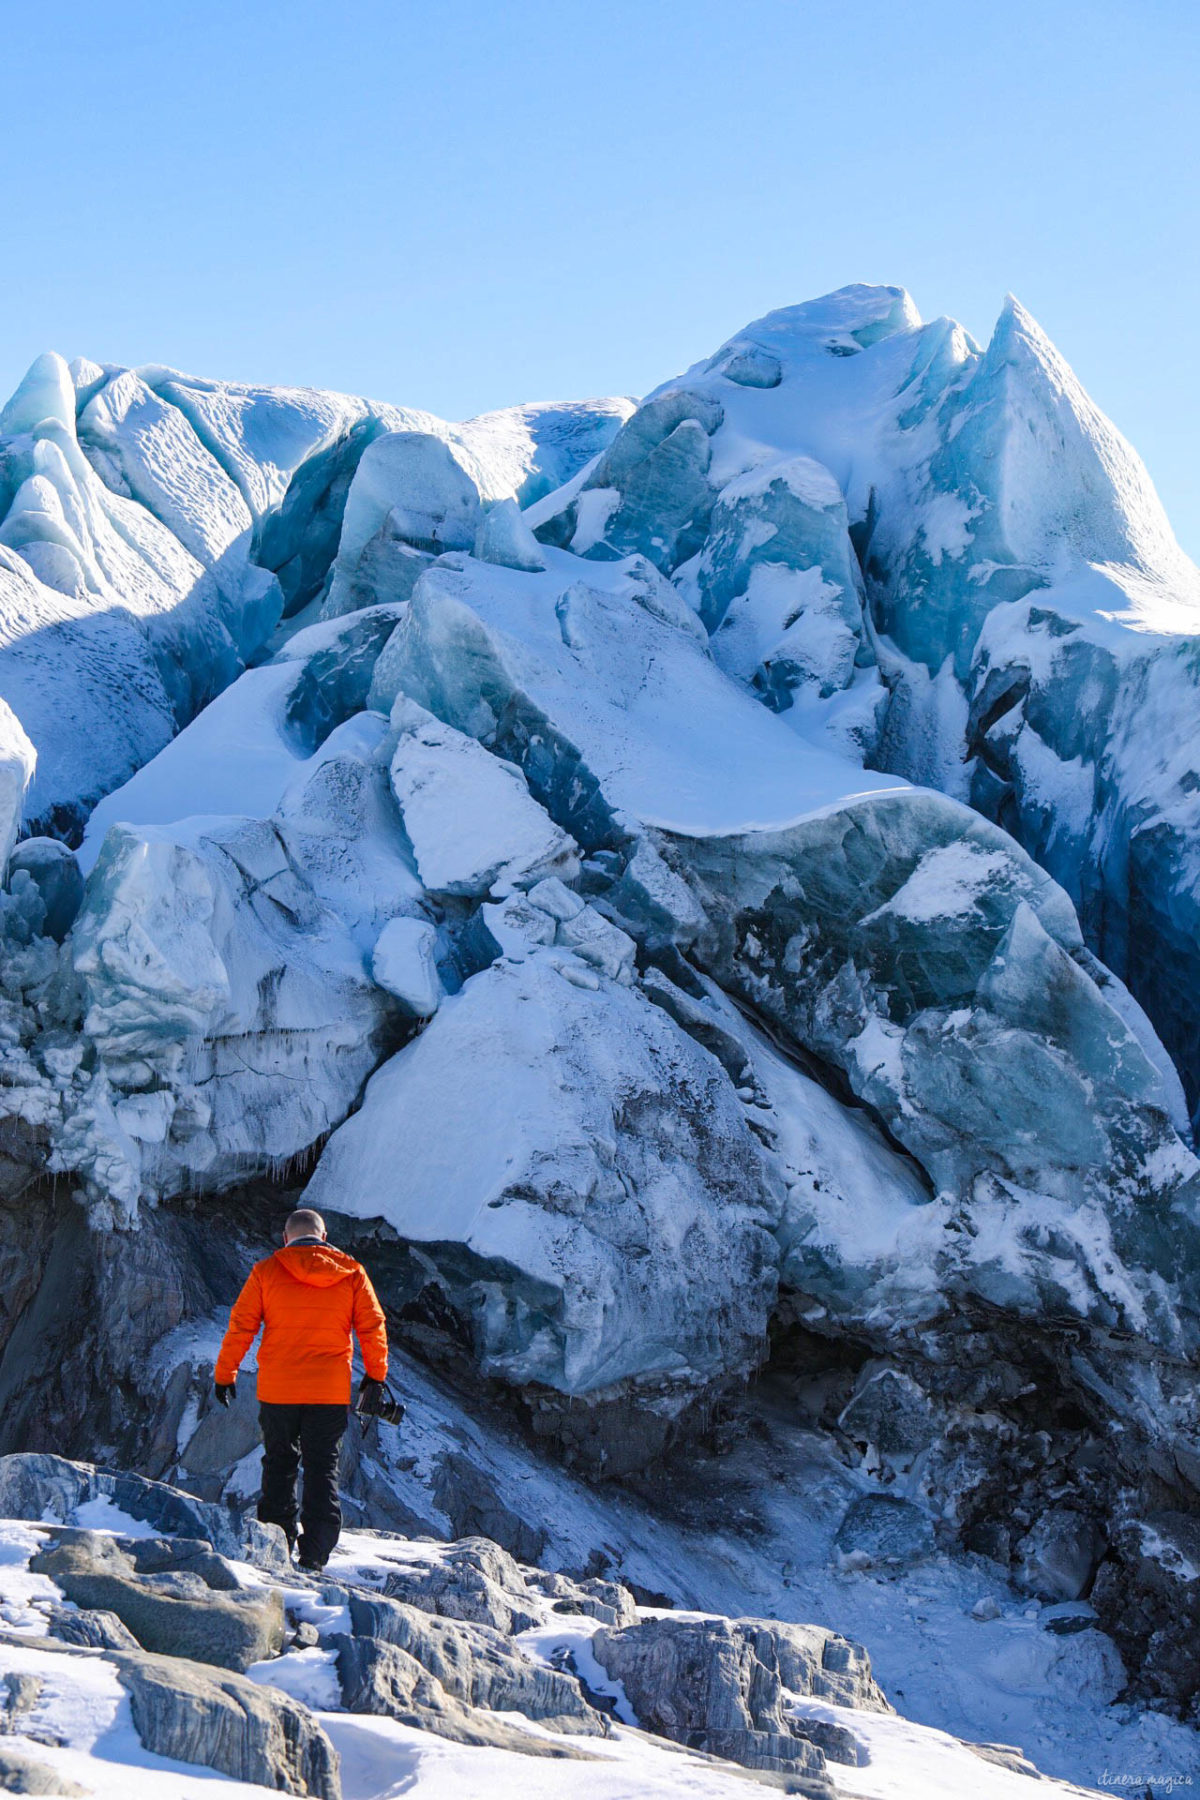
(226, 1391)
(370, 1394)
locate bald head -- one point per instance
(303, 1223)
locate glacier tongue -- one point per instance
(531, 890)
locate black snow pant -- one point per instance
(310, 1436)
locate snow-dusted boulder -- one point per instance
(184, 1711)
(581, 1178)
(728, 1686)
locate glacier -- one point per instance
(701, 893)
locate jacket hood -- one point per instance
(317, 1265)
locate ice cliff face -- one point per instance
(690, 885)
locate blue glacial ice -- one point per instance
(808, 741)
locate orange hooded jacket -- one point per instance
(309, 1298)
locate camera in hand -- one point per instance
(376, 1402)
(390, 1409)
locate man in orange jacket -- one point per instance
(309, 1298)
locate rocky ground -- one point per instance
(148, 1636)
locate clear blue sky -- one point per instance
(459, 204)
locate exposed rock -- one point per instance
(477, 1665)
(174, 1610)
(608, 1601)
(188, 1711)
(721, 1685)
(882, 1531)
(473, 1580)
(35, 1485)
(89, 1628)
(23, 1774)
(890, 1411)
(1006, 1756)
(1057, 1556)
(1149, 1602)
(379, 1678)
(837, 1742)
(474, 1509)
(178, 1555)
(19, 1694)
(224, 1435)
